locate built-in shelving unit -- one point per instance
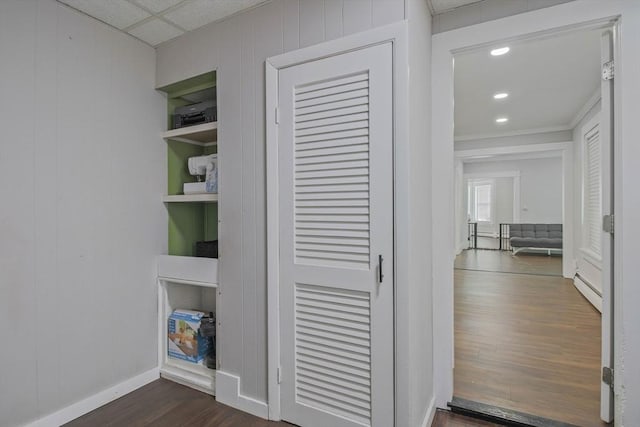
(184, 280)
(182, 198)
(204, 134)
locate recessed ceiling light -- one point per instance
(502, 120)
(499, 51)
(500, 95)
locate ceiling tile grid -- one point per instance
(158, 21)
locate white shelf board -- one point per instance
(182, 198)
(196, 271)
(203, 134)
(192, 375)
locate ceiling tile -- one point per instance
(118, 13)
(157, 6)
(201, 12)
(155, 32)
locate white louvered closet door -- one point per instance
(335, 164)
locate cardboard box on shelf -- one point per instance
(184, 339)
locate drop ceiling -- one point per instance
(549, 82)
(158, 21)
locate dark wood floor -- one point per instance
(529, 343)
(449, 419)
(164, 403)
(503, 261)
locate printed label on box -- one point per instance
(184, 340)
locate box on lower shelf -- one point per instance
(185, 283)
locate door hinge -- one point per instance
(607, 376)
(608, 224)
(279, 374)
(277, 115)
(608, 70)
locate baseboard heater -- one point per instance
(593, 295)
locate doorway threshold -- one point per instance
(501, 416)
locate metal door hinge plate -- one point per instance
(608, 70)
(608, 224)
(607, 376)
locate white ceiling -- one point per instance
(441, 6)
(157, 21)
(549, 81)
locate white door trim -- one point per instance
(563, 17)
(397, 34)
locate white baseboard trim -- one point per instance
(589, 294)
(431, 413)
(228, 392)
(99, 399)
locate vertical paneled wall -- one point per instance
(420, 314)
(237, 48)
(81, 176)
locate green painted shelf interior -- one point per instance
(188, 222)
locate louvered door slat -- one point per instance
(333, 127)
(332, 98)
(342, 118)
(333, 374)
(327, 88)
(302, 112)
(336, 112)
(350, 132)
(312, 87)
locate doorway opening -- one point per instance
(528, 191)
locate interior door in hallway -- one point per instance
(335, 166)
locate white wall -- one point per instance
(504, 200)
(486, 10)
(82, 170)
(513, 140)
(237, 48)
(419, 374)
(540, 186)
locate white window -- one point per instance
(480, 201)
(592, 198)
(483, 202)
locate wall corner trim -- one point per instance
(97, 400)
(228, 393)
(431, 413)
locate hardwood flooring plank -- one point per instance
(449, 419)
(164, 403)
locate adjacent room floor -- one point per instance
(503, 261)
(526, 342)
(449, 419)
